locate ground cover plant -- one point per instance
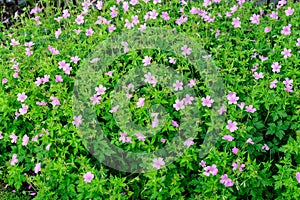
(223, 75)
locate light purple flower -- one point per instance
(276, 67)
(140, 136)
(226, 181)
(213, 170)
(178, 85)
(22, 97)
(25, 140)
(228, 138)
(286, 53)
(158, 163)
(207, 101)
(250, 109)
(178, 105)
(231, 126)
(189, 142)
(140, 103)
(88, 177)
(232, 98)
(186, 50)
(77, 120)
(37, 168)
(298, 177)
(14, 160)
(250, 141)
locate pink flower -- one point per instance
(150, 79)
(22, 97)
(37, 168)
(162, 140)
(165, 16)
(274, 15)
(25, 140)
(58, 78)
(28, 52)
(173, 60)
(298, 42)
(140, 136)
(1, 136)
(222, 110)
(192, 83)
(75, 59)
(88, 177)
(232, 126)
(275, 67)
(77, 120)
(52, 50)
(188, 99)
(273, 84)
(186, 50)
(48, 147)
(207, 101)
(298, 177)
(178, 105)
(213, 170)
(232, 98)
(241, 105)
(235, 166)
(189, 142)
(23, 110)
(203, 163)
(140, 103)
(228, 138)
(55, 101)
(114, 109)
(286, 53)
(289, 11)
(235, 150)
(250, 109)
(286, 30)
(267, 30)
(226, 181)
(57, 33)
(178, 85)
(250, 141)
(4, 80)
(66, 14)
(14, 42)
(265, 147)
(95, 99)
(111, 28)
(14, 160)
(175, 124)
(89, 32)
(236, 22)
(146, 60)
(80, 19)
(158, 163)
(258, 75)
(255, 19)
(100, 90)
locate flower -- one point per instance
(24, 109)
(58, 78)
(258, 75)
(140, 103)
(158, 163)
(265, 147)
(37, 168)
(275, 67)
(146, 60)
(236, 22)
(22, 97)
(79, 19)
(207, 101)
(140, 136)
(235, 166)
(226, 181)
(178, 104)
(235, 150)
(286, 53)
(255, 19)
(150, 79)
(250, 141)
(289, 11)
(267, 30)
(178, 85)
(96, 99)
(203, 163)
(189, 142)
(286, 30)
(232, 98)
(213, 170)
(89, 32)
(192, 83)
(77, 120)
(232, 126)
(188, 99)
(298, 177)
(14, 160)
(48, 147)
(88, 177)
(174, 123)
(55, 101)
(250, 109)
(186, 50)
(25, 140)
(100, 90)
(114, 109)
(228, 138)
